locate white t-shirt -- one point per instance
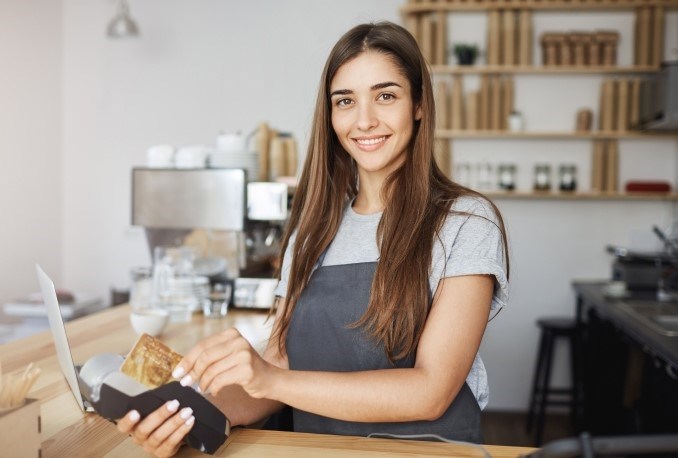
(469, 244)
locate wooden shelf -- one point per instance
(539, 70)
(639, 196)
(489, 134)
(553, 5)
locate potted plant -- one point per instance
(465, 53)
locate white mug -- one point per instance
(231, 142)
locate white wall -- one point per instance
(30, 143)
(204, 66)
(198, 68)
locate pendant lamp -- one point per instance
(122, 25)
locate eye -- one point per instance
(386, 97)
(343, 102)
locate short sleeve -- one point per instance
(478, 248)
(281, 289)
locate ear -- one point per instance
(418, 113)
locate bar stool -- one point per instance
(543, 395)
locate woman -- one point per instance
(390, 272)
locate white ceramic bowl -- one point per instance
(151, 321)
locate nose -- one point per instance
(367, 119)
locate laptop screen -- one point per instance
(56, 324)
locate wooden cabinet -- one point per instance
(510, 54)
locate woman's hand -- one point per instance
(226, 359)
(162, 431)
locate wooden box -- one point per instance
(21, 430)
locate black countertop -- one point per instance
(590, 294)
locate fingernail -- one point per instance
(134, 416)
(178, 372)
(173, 405)
(185, 413)
(190, 421)
(186, 380)
(197, 388)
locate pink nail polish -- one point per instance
(178, 372)
(173, 405)
(134, 416)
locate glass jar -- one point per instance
(568, 177)
(484, 180)
(507, 177)
(462, 174)
(173, 285)
(516, 123)
(142, 288)
(542, 177)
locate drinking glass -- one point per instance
(173, 282)
(217, 305)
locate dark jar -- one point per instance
(507, 177)
(568, 177)
(542, 177)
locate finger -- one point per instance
(188, 361)
(222, 367)
(222, 380)
(154, 420)
(239, 352)
(173, 442)
(230, 343)
(164, 431)
(127, 423)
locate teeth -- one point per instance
(370, 141)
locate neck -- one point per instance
(369, 198)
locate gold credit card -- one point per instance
(150, 362)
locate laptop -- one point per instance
(211, 429)
(63, 350)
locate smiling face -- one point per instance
(373, 113)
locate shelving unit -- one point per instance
(541, 70)
(562, 5)
(555, 195)
(595, 135)
(428, 21)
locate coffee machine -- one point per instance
(233, 226)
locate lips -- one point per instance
(370, 143)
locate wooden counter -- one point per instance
(67, 431)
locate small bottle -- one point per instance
(542, 177)
(507, 177)
(516, 122)
(568, 177)
(484, 181)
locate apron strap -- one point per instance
(321, 259)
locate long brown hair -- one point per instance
(418, 198)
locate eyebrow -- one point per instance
(373, 88)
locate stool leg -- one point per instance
(574, 358)
(538, 369)
(544, 388)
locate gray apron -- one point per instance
(319, 339)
